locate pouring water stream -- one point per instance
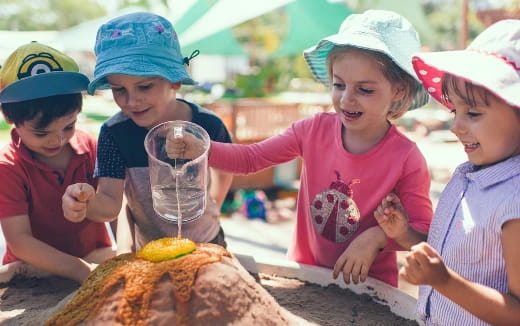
(177, 133)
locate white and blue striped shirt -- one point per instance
(466, 230)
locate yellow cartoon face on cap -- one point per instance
(40, 63)
(33, 59)
(36, 70)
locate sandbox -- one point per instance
(368, 302)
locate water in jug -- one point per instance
(179, 186)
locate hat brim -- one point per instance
(316, 58)
(141, 66)
(317, 55)
(44, 85)
(488, 71)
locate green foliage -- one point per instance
(4, 125)
(96, 116)
(271, 77)
(445, 18)
(139, 3)
(30, 15)
(249, 85)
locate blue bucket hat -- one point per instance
(377, 30)
(138, 44)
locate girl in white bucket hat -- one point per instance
(470, 265)
(352, 157)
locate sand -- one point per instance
(27, 301)
(30, 302)
(330, 305)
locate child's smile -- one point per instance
(468, 148)
(352, 115)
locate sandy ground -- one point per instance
(27, 302)
(329, 305)
(30, 301)
(33, 301)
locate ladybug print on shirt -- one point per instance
(334, 213)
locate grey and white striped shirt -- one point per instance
(466, 230)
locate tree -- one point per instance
(30, 15)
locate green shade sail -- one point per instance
(310, 21)
(220, 43)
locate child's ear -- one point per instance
(399, 93)
(176, 85)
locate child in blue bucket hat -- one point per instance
(352, 157)
(139, 59)
(41, 95)
(469, 268)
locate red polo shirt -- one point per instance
(31, 188)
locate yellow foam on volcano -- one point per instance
(166, 248)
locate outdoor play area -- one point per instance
(348, 135)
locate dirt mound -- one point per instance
(205, 287)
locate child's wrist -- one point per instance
(381, 238)
(399, 238)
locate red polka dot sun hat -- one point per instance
(491, 61)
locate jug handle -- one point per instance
(177, 133)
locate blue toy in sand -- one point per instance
(253, 203)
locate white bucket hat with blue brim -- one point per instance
(139, 44)
(491, 61)
(377, 30)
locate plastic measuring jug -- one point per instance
(179, 186)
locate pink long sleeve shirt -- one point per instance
(339, 191)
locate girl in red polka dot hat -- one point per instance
(353, 156)
(469, 268)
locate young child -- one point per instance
(352, 157)
(139, 59)
(41, 96)
(470, 266)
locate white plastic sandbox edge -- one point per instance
(400, 303)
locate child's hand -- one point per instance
(356, 260)
(185, 146)
(75, 200)
(84, 271)
(424, 265)
(391, 216)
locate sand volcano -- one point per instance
(206, 286)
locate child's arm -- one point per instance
(392, 218)
(424, 266)
(102, 205)
(356, 260)
(18, 236)
(241, 158)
